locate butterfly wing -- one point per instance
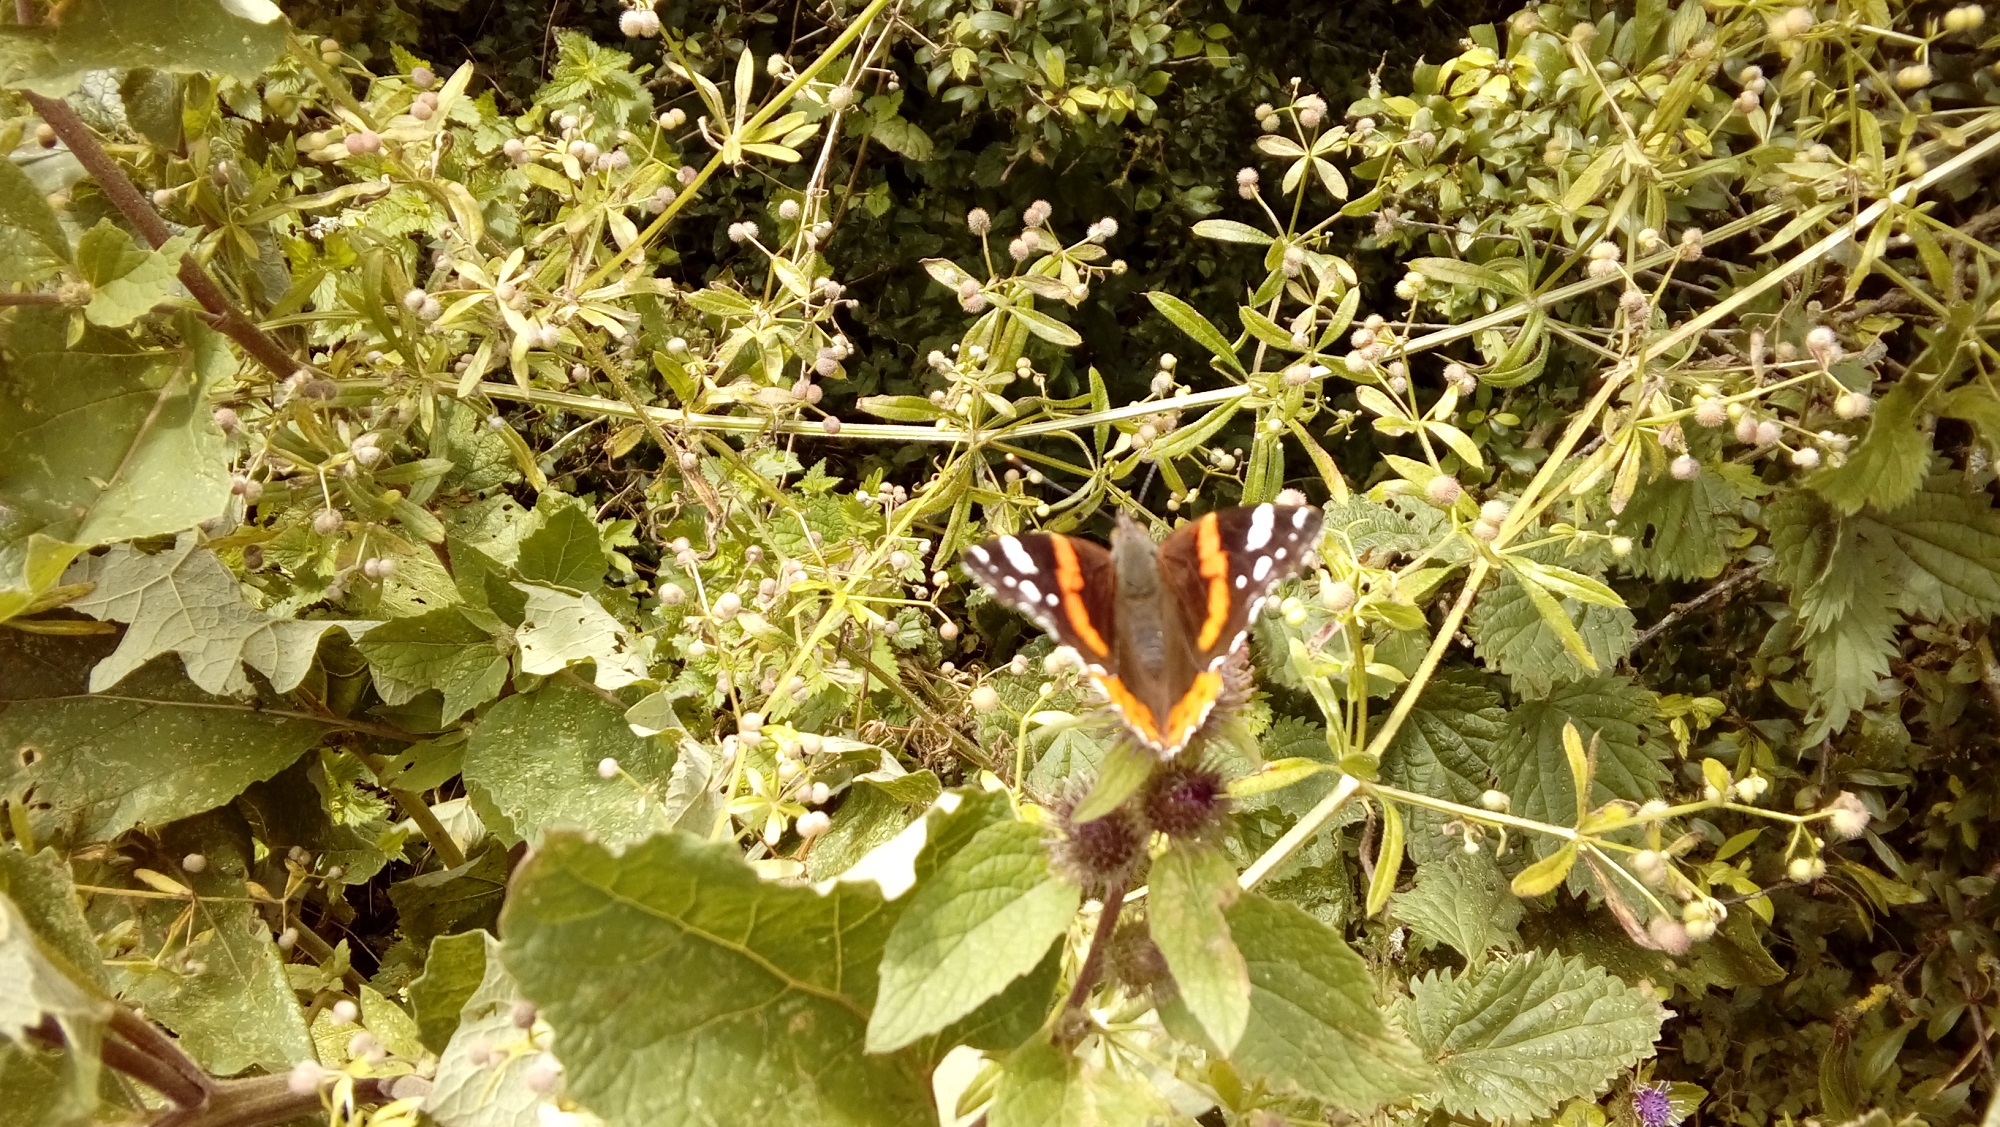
(1221, 567)
(1065, 585)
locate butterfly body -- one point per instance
(1154, 625)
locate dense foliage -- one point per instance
(481, 632)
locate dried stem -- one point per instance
(1682, 610)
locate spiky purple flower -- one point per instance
(1651, 1105)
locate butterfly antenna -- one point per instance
(1139, 496)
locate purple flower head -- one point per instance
(1651, 1105)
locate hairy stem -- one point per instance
(264, 1101)
(1093, 961)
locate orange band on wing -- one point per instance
(1069, 579)
(1134, 710)
(1214, 564)
(1192, 709)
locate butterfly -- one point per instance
(1153, 625)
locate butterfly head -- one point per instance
(1135, 558)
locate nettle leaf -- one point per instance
(559, 629)
(482, 1074)
(237, 38)
(440, 650)
(533, 760)
(683, 989)
(566, 550)
(185, 601)
(156, 750)
(453, 971)
(1514, 1039)
(1447, 746)
(1682, 529)
(221, 987)
(1190, 887)
(982, 920)
(1889, 463)
(1943, 547)
(1462, 902)
(1510, 633)
(1534, 769)
(1314, 1026)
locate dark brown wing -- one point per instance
(1067, 586)
(1220, 568)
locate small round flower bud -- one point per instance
(1038, 213)
(948, 630)
(830, 425)
(288, 939)
(1621, 546)
(1496, 801)
(1339, 597)
(727, 605)
(1853, 405)
(813, 823)
(1443, 489)
(1806, 457)
(1710, 412)
(1768, 433)
(788, 210)
(326, 522)
(1850, 817)
(1650, 866)
(985, 699)
(1913, 77)
(363, 142)
(1685, 468)
(607, 767)
(541, 1075)
(345, 1012)
(305, 1078)
(194, 863)
(1804, 870)
(639, 23)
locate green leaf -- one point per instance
(1511, 633)
(482, 1074)
(99, 445)
(1314, 1026)
(34, 986)
(1123, 770)
(42, 890)
(1046, 327)
(1045, 1085)
(982, 920)
(440, 650)
(1230, 231)
(223, 991)
(559, 629)
(1682, 529)
(1388, 861)
(1462, 902)
(185, 601)
(1515, 1039)
(1447, 746)
(1190, 888)
(681, 988)
(1888, 465)
(1943, 548)
(534, 758)
(453, 970)
(124, 299)
(438, 902)
(236, 38)
(1546, 874)
(1533, 767)
(1197, 327)
(566, 550)
(32, 242)
(1454, 272)
(154, 751)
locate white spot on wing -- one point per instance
(1031, 592)
(1009, 581)
(1017, 555)
(1051, 599)
(981, 554)
(1299, 518)
(1279, 554)
(1261, 570)
(1261, 519)
(1242, 581)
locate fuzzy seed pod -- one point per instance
(1185, 799)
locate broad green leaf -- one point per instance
(1682, 529)
(124, 299)
(1889, 463)
(1046, 327)
(236, 38)
(1461, 901)
(1197, 327)
(980, 921)
(1515, 1039)
(97, 444)
(483, 1073)
(453, 971)
(1314, 1026)
(36, 985)
(566, 550)
(1124, 768)
(440, 650)
(153, 751)
(559, 629)
(1510, 633)
(681, 988)
(438, 902)
(534, 758)
(32, 241)
(1044, 1085)
(185, 601)
(42, 890)
(1447, 746)
(1533, 767)
(1190, 888)
(222, 989)
(1943, 547)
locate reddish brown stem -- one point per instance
(263, 1101)
(1093, 961)
(119, 189)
